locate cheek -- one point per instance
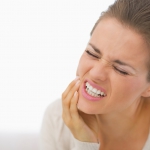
(83, 66)
(130, 87)
(135, 86)
(139, 88)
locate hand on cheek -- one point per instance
(70, 114)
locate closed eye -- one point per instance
(116, 69)
(89, 53)
(120, 71)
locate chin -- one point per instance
(86, 107)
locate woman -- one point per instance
(107, 107)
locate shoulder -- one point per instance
(53, 114)
(52, 120)
(55, 108)
(53, 130)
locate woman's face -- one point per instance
(113, 70)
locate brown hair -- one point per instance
(134, 14)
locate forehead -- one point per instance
(116, 41)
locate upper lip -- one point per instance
(96, 86)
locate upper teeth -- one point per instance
(94, 90)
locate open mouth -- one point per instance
(93, 91)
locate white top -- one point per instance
(55, 135)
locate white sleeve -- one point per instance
(47, 140)
(85, 145)
(55, 135)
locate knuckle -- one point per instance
(63, 95)
(71, 84)
(66, 102)
(68, 122)
(73, 111)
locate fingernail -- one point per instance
(75, 93)
(77, 77)
(78, 82)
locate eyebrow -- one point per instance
(123, 64)
(115, 61)
(96, 49)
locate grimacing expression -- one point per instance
(114, 59)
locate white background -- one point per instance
(41, 42)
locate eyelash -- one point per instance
(89, 53)
(120, 71)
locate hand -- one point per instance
(84, 128)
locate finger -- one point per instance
(64, 94)
(66, 102)
(73, 106)
(71, 92)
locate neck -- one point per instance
(114, 126)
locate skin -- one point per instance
(122, 117)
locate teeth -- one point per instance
(102, 93)
(90, 88)
(93, 91)
(87, 83)
(95, 95)
(98, 92)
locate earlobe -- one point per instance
(146, 93)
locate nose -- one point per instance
(99, 71)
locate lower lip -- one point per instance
(89, 97)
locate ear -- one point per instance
(146, 93)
